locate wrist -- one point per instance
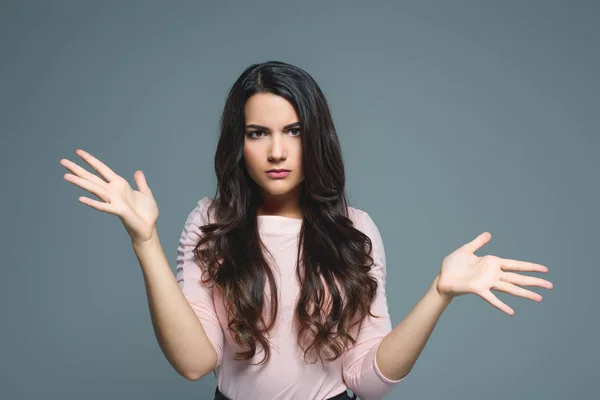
(441, 294)
(151, 241)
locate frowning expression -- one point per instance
(272, 140)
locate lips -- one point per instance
(274, 174)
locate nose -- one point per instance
(277, 149)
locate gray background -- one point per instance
(455, 118)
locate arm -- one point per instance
(178, 329)
(400, 348)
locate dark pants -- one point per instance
(342, 396)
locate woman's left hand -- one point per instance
(463, 272)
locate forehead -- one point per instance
(270, 110)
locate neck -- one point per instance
(284, 206)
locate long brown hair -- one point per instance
(336, 288)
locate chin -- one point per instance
(278, 188)
(277, 191)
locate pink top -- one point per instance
(287, 376)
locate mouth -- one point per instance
(278, 173)
(278, 170)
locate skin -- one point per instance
(462, 272)
(137, 209)
(274, 147)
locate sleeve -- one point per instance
(188, 275)
(359, 364)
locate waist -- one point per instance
(342, 396)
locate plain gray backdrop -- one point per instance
(455, 118)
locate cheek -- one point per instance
(250, 158)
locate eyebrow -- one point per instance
(295, 124)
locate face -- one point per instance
(272, 141)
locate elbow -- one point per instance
(195, 376)
(190, 376)
(197, 372)
(200, 370)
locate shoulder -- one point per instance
(360, 218)
(198, 216)
(204, 202)
(355, 214)
(363, 222)
(202, 210)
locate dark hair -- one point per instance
(333, 252)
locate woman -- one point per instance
(280, 285)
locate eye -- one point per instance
(251, 132)
(295, 130)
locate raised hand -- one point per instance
(137, 209)
(463, 272)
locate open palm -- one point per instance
(137, 209)
(463, 272)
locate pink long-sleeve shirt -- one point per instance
(287, 376)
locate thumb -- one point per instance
(478, 242)
(140, 181)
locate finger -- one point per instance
(140, 181)
(98, 165)
(98, 205)
(517, 291)
(81, 172)
(87, 185)
(523, 280)
(516, 265)
(478, 242)
(493, 300)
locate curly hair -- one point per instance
(334, 258)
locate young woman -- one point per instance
(280, 285)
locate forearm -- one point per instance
(401, 347)
(179, 332)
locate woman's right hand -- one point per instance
(137, 209)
